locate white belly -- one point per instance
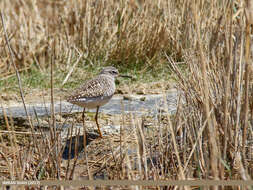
(91, 103)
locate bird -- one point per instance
(96, 92)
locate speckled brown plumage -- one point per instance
(102, 85)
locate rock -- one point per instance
(128, 97)
(143, 98)
(111, 129)
(134, 97)
(58, 118)
(141, 91)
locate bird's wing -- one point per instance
(92, 88)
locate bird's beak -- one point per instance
(125, 76)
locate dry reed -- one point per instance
(209, 137)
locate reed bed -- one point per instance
(206, 44)
(118, 32)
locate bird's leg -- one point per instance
(83, 116)
(96, 118)
(84, 128)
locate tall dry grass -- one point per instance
(119, 32)
(218, 90)
(209, 137)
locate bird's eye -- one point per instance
(114, 72)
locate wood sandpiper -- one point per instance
(96, 92)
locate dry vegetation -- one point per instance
(211, 134)
(91, 32)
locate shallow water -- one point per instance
(137, 104)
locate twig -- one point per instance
(52, 97)
(227, 90)
(19, 132)
(72, 69)
(15, 68)
(214, 153)
(246, 91)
